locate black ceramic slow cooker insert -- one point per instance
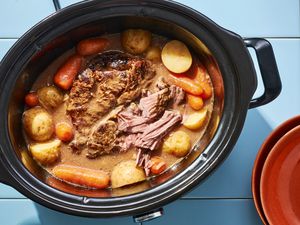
(224, 54)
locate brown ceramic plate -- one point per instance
(280, 181)
(262, 156)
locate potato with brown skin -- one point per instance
(38, 124)
(153, 54)
(50, 97)
(46, 153)
(178, 143)
(135, 41)
(125, 173)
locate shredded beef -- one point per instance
(153, 134)
(149, 108)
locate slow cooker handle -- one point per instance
(268, 69)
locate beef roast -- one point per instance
(110, 79)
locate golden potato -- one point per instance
(176, 57)
(135, 41)
(153, 54)
(195, 120)
(178, 144)
(125, 173)
(46, 153)
(50, 97)
(38, 124)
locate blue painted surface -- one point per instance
(255, 18)
(17, 16)
(231, 181)
(5, 44)
(181, 212)
(209, 212)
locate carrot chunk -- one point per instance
(186, 83)
(196, 102)
(66, 73)
(158, 165)
(31, 99)
(91, 46)
(200, 78)
(82, 176)
(64, 132)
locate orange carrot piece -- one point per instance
(187, 84)
(196, 102)
(66, 73)
(31, 99)
(158, 165)
(200, 78)
(91, 46)
(82, 176)
(64, 132)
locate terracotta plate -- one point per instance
(261, 157)
(280, 181)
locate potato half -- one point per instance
(196, 120)
(176, 57)
(46, 153)
(126, 173)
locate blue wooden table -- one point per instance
(225, 197)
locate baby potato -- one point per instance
(46, 153)
(125, 173)
(50, 97)
(178, 144)
(176, 57)
(38, 124)
(153, 54)
(135, 41)
(195, 120)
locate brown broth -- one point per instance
(107, 162)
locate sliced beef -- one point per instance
(143, 160)
(154, 104)
(150, 107)
(153, 134)
(146, 136)
(177, 95)
(110, 79)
